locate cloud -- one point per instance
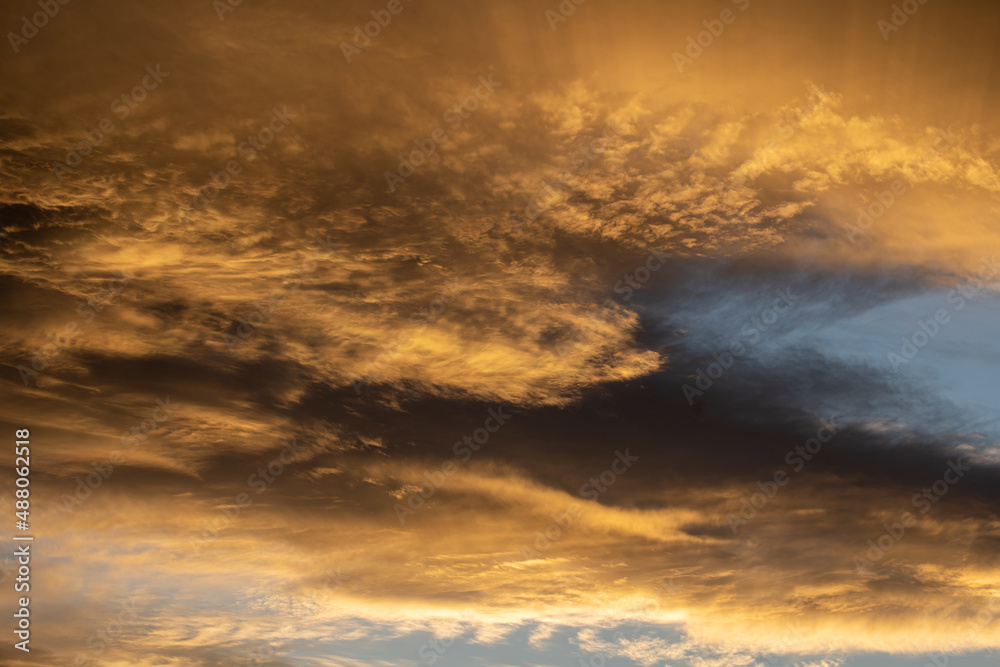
(513, 269)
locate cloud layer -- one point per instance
(263, 312)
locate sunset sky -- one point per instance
(508, 334)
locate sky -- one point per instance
(515, 334)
